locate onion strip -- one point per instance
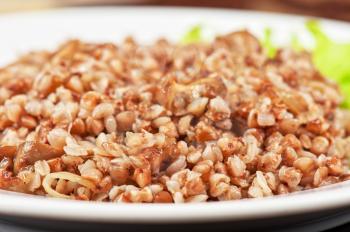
(47, 182)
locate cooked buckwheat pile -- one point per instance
(169, 123)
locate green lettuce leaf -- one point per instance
(194, 35)
(332, 59)
(295, 43)
(267, 44)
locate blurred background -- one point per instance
(335, 9)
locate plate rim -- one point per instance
(39, 207)
(169, 8)
(245, 209)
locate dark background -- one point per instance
(335, 9)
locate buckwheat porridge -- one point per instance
(169, 123)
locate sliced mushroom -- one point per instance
(208, 87)
(30, 152)
(239, 126)
(240, 41)
(11, 183)
(294, 102)
(7, 151)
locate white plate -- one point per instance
(40, 30)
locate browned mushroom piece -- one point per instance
(239, 126)
(30, 152)
(10, 182)
(7, 151)
(240, 41)
(173, 95)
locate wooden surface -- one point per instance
(336, 9)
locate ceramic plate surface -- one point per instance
(23, 32)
